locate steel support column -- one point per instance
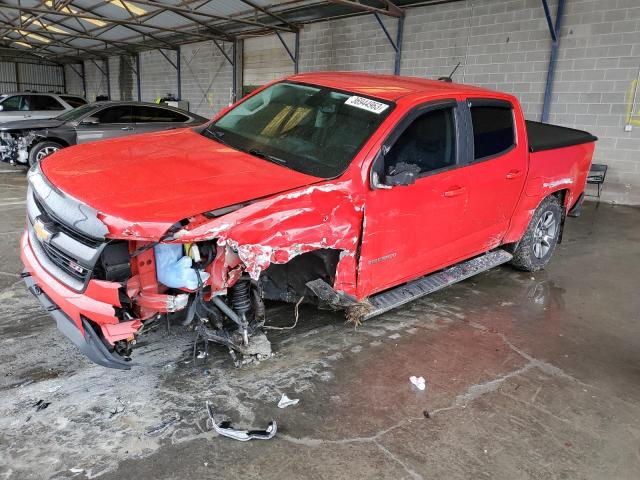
(234, 72)
(108, 75)
(84, 80)
(178, 74)
(399, 35)
(554, 30)
(292, 55)
(138, 81)
(296, 65)
(397, 44)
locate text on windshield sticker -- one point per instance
(366, 104)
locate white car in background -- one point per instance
(32, 105)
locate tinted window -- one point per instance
(44, 102)
(14, 104)
(492, 130)
(156, 114)
(76, 113)
(74, 101)
(311, 129)
(428, 142)
(119, 114)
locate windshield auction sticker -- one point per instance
(366, 104)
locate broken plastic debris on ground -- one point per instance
(419, 382)
(287, 402)
(226, 429)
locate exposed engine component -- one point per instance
(14, 147)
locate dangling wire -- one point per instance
(290, 327)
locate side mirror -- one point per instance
(402, 174)
(1, 108)
(90, 121)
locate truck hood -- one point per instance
(35, 124)
(165, 177)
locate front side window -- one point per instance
(14, 103)
(429, 143)
(493, 131)
(44, 103)
(157, 115)
(308, 128)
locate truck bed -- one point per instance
(544, 136)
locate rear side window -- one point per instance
(156, 115)
(493, 131)
(74, 101)
(44, 102)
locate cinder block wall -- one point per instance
(206, 77)
(504, 45)
(74, 81)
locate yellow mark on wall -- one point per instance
(633, 117)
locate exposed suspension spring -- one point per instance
(241, 296)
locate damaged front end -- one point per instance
(14, 146)
(210, 272)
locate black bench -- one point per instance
(596, 176)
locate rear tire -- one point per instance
(41, 150)
(539, 241)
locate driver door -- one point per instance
(411, 230)
(110, 122)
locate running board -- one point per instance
(405, 293)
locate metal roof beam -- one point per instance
(107, 19)
(271, 14)
(159, 40)
(392, 12)
(172, 8)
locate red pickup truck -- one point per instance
(358, 192)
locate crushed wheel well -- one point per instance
(287, 281)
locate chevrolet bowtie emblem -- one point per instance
(42, 233)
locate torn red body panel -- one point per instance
(334, 196)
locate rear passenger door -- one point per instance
(151, 119)
(43, 106)
(497, 170)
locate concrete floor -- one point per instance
(529, 376)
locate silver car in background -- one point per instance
(29, 141)
(32, 105)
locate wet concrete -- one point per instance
(528, 376)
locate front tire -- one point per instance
(539, 241)
(41, 150)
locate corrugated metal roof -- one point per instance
(65, 30)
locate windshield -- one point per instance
(311, 129)
(76, 113)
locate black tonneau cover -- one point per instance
(544, 136)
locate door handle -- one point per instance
(127, 129)
(513, 174)
(454, 192)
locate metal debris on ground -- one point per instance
(419, 382)
(287, 402)
(41, 405)
(161, 427)
(226, 429)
